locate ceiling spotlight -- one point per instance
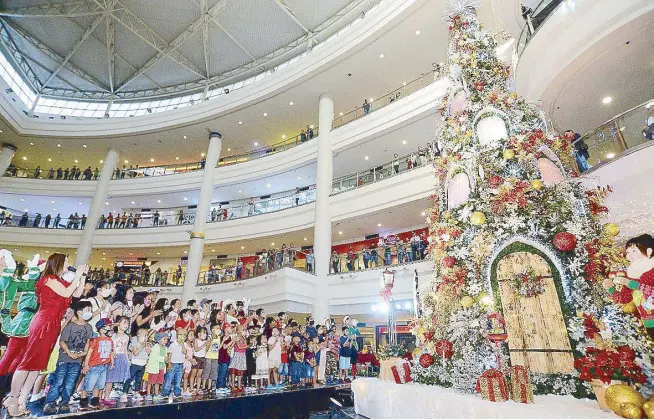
(240, 122)
(378, 224)
(305, 239)
(290, 103)
(268, 185)
(240, 191)
(340, 113)
(101, 161)
(151, 159)
(22, 199)
(133, 202)
(272, 244)
(265, 114)
(366, 158)
(423, 214)
(610, 155)
(51, 201)
(106, 203)
(256, 143)
(104, 259)
(299, 177)
(84, 146)
(49, 159)
(403, 141)
(126, 161)
(283, 136)
(202, 154)
(184, 137)
(59, 145)
(31, 144)
(80, 203)
(176, 157)
(340, 232)
(229, 149)
(242, 247)
(76, 161)
(185, 252)
(24, 157)
(311, 126)
(104, 253)
(607, 100)
(371, 99)
(158, 253)
(381, 55)
(185, 198)
(417, 32)
(158, 201)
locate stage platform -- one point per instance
(287, 403)
(378, 399)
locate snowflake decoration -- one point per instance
(460, 7)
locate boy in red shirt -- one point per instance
(96, 364)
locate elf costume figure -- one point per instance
(639, 280)
(7, 286)
(18, 327)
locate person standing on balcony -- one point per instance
(51, 173)
(37, 172)
(297, 196)
(415, 244)
(214, 214)
(37, 220)
(400, 252)
(351, 258)
(309, 261)
(303, 136)
(83, 221)
(373, 254)
(96, 174)
(203, 162)
(366, 256)
(366, 107)
(251, 207)
(180, 217)
(387, 253)
(60, 173)
(57, 220)
(88, 174)
(47, 221)
(396, 164)
(178, 274)
(581, 149)
(335, 259)
(310, 133)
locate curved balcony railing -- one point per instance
(534, 19)
(624, 133)
(238, 209)
(311, 132)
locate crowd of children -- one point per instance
(117, 344)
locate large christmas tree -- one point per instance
(517, 243)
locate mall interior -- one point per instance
(346, 161)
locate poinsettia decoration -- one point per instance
(528, 283)
(607, 365)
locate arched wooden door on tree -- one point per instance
(538, 338)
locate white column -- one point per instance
(196, 249)
(322, 236)
(97, 204)
(8, 152)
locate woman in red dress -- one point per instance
(54, 295)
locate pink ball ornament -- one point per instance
(564, 241)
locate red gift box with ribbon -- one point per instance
(401, 372)
(492, 386)
(521, 389)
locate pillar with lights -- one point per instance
(196, 249)
(97, 204)
(8, 152)
(323, 225)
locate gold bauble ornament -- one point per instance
(631, 411)
(508, 154)
(611, 229)
(478, 218)
(629, 308)
(537, 184)
(648, 408)
(467, 301)
(619, 394)
(416, 353)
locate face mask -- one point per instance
(166, 307)
(108, 333)
(312, 322)
(87, 315)
(105, 292)
(147, 302)
(187, 318)
(68, 276)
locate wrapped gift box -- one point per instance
(492, 386)
(401, 372)
(521, 389)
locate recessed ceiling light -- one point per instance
(184, 137)
(51, 201)
(104, 253)
(185, 198)
(403, 141)
(610, 155)
(256, 143)
(133, 202)
(268, 185)
(151, 159)
(283, 136)
(371, 99)
(229, 149)
(418, 32)
(381, 55)
(131, 253)
(158, 201)
(265, 114)
(26, 210)
(423, 214)
(84, 146)
(340, 113)
(104, 258)
(47, 251)
(272, 243)
(240, 191)
(340, 232)
(366, 158)
(101, 161)
(305, 239)
(59, 145)
(176, 157)
(403, 83)
(76, 161)
(185, 252)
(299, 177)
(54, 209)
(158, 253)
(607, 100)
(240, 122)
(202, 154)
(290, 103)
(126, 161)
(24, 157)
(242, 247)
(31, 144)
(213, 250)
(378, 224)
(80, 203)
(49, 159)
(106, 203)
(22, 199)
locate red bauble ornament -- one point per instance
(495, 181)
(449, 261)
(426, 360)
(564, 241)
(444, 349)
(429, 335)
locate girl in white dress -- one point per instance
(261, 355)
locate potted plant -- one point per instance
(606, 367)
